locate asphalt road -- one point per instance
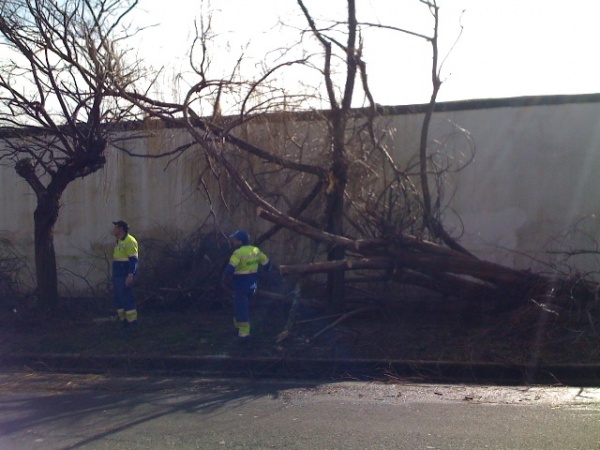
(43, 411)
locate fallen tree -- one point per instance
(389, 219)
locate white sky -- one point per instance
(508, 47)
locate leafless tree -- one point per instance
(354, 199)
(56, 105)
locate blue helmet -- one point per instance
(242, 235)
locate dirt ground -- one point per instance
(395, 329)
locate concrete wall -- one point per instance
(533, 178)
(532, 188)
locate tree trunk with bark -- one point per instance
(45, 217)
(335, 212)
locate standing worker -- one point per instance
(244, 263)
(124, 269)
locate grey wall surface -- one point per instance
(529, 195)
(532, 189)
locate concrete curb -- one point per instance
(313, 368)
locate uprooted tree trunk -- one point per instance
(412, 261)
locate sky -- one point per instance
(507, 47)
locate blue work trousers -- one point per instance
(123, 295)
(241, 297)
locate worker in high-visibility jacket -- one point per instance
(241, 274)
(124, 270)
